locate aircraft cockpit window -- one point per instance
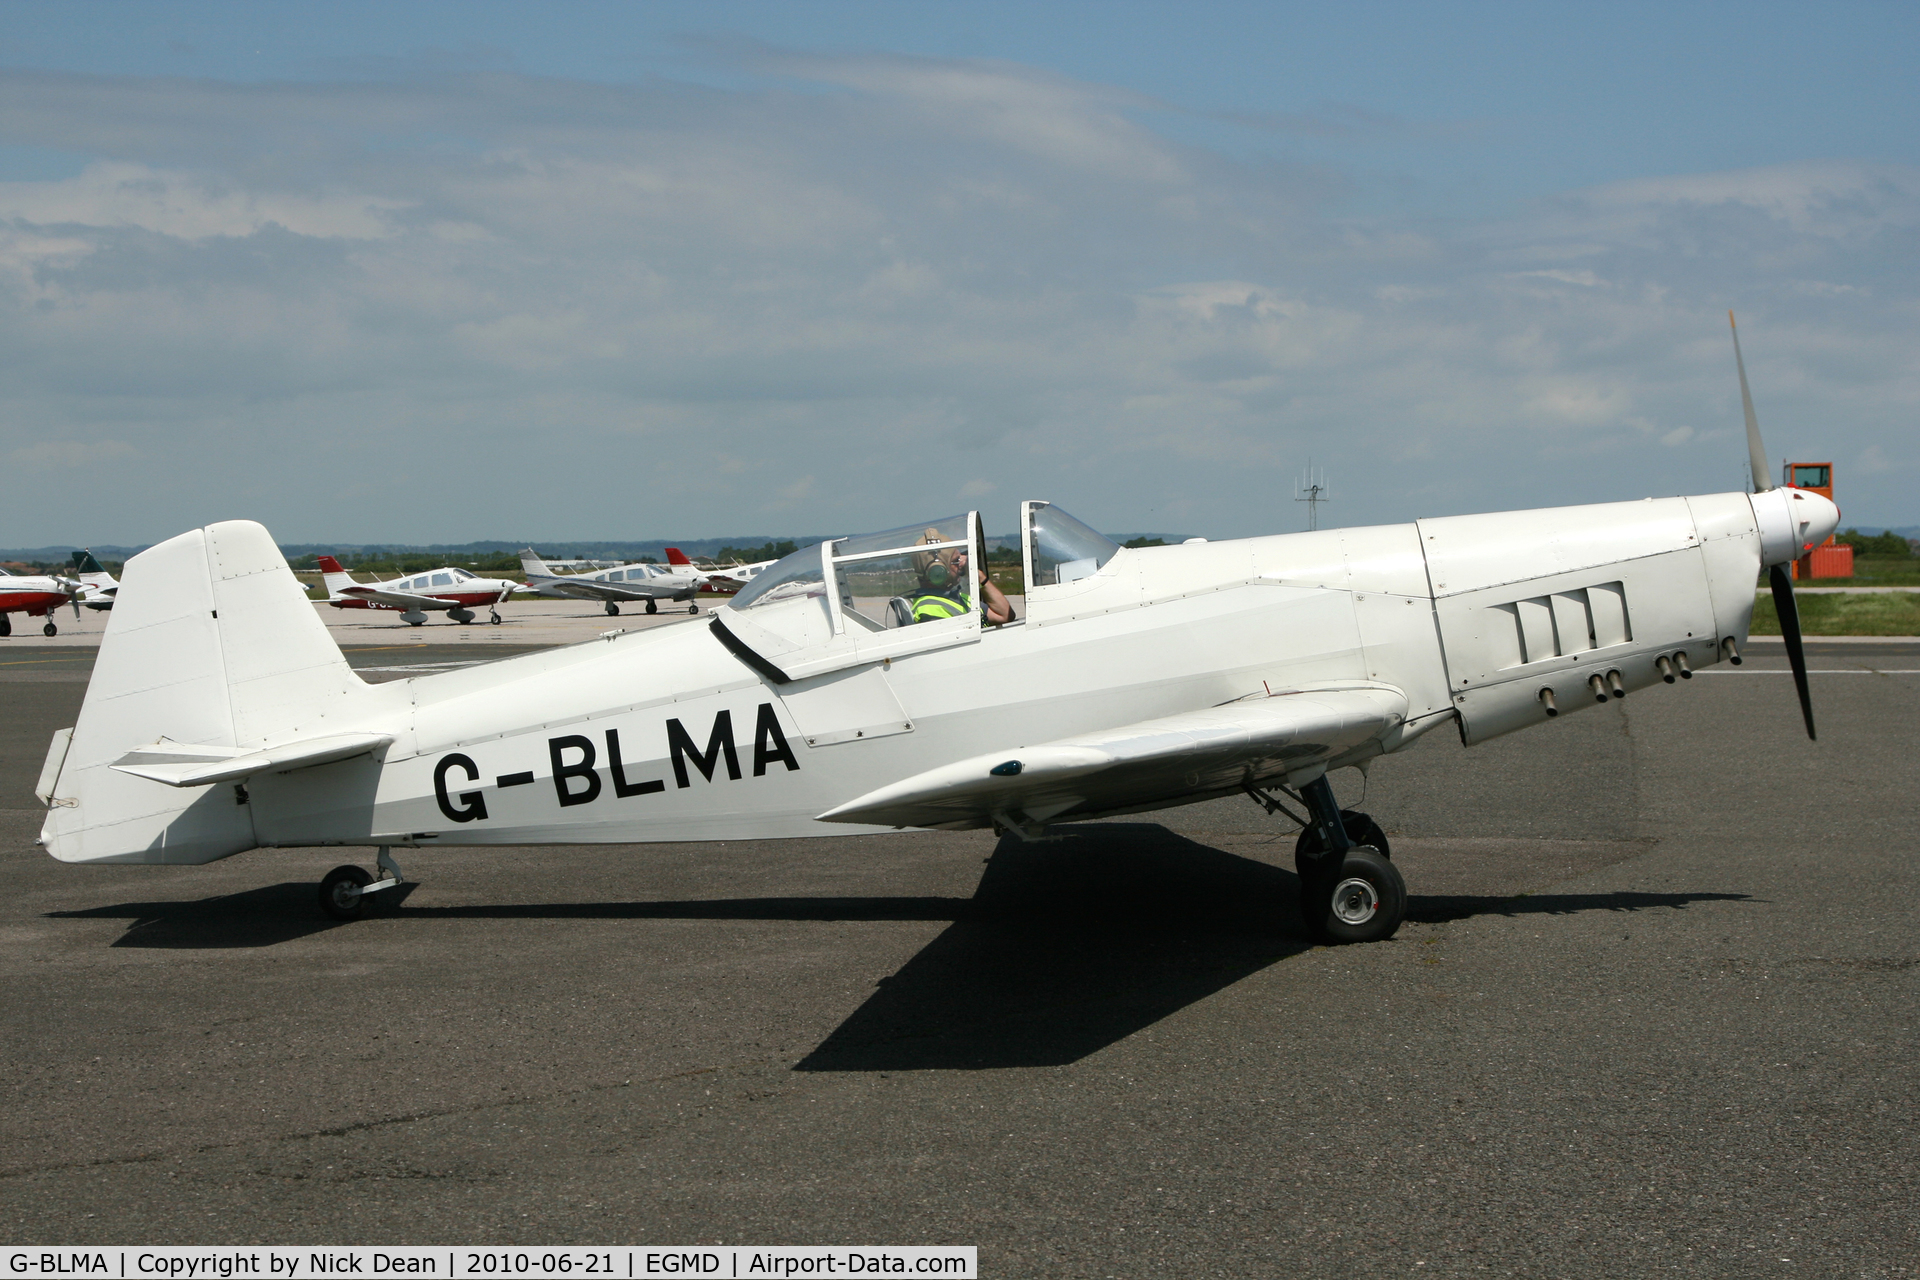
(461, 575)
(442, 579)
(800, 574)
(1061, 548)
(919, 573)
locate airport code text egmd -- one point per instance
(471, 1262)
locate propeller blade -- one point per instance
(1789, 611)
(1756, 451)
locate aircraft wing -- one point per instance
(595, 589)
(1139, 766)
(398, 599)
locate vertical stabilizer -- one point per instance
(211, 643)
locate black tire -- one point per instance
(420, 623)
(461, 616)
(613, 608)
(1361, 829)
(49, 629)
(338, 893)
(693, 608)
(1364, 901)
(495, 619)
(6, 625)
(653, 606)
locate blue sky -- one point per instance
(429, 272)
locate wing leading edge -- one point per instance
(1140, 766)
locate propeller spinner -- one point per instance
(1792, 522)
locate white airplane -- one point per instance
(37, 595)
(100, 586)
(651, 583)
(452, 591)
(731, 579)
(1137, 679)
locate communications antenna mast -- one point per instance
(1312, 491)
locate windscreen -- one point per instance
(798, 575)
(1064, 550)
(912, 574)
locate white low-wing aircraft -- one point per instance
(1137, 679)
(628, 583)
(448, 590)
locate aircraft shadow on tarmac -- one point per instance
(1066, 946)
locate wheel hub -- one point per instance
(1355, 901)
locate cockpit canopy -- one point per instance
(895, 592)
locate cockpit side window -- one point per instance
(1060, 549)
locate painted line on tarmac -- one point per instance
(1823, 671)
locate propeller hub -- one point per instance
(1792, 522)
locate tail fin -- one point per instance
(675, 556)
(210, 643)
(334, 577)
(531, 563)
(84, 564)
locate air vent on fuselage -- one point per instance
(1554, 626)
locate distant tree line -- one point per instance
(1889, 544)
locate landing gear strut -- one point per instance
(349, 893)
(613, 608)
(1350, 891)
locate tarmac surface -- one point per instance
(1654, 1012)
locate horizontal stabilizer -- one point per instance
(181, 765)
(1141, 765)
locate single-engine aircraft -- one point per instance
(221, 716)
(452, 591)
(37, 596)
(650, 583)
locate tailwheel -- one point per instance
(343, 893)
(349, 893)
(49, 629)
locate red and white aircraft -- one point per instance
(724, 580)
(37, 596)
(449, 590)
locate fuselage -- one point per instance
(680, 732)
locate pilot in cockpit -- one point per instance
(942, 592)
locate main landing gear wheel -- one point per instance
(49, 629)
(461, 616)
(1359, 897)
(6, 625)
(613, 609)
(1364, 900)
(653, 606)
(342, 893)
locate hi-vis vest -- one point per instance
(932, 607)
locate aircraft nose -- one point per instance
(1816, 519)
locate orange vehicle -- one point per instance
(1830, 559)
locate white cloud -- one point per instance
(668, 310)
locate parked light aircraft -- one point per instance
(730, 579)
(452, 591)
(36, 595)
(100, 586)
(1137, 679)
(651, 583)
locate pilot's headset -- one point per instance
(933, 567)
